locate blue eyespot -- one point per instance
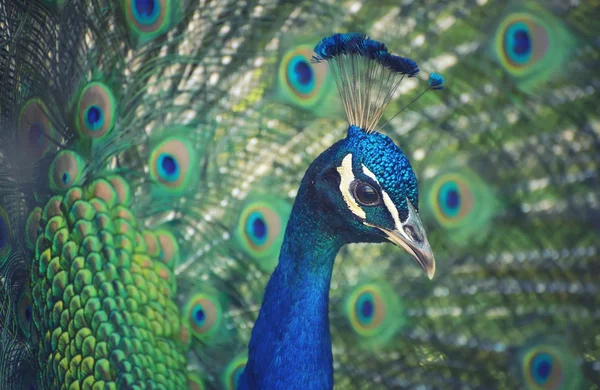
(365, 308)
(521, 42)
(517, 43)
(374, 313)
(94, 119)
(65, 170)
(168, 169)
(256, 228)
(541, 367)
(449, 199)
(300, 75)
(146, 11)
(35, 129)
(260, 228)
(96, 111)
(66, 178)
(453, 199)
(549, 364)
(199, 315)
(303, 84)
(304, 73)
(172, 161)
(204, 314)
(25, 312)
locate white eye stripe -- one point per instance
(387, 201)
(346, 178)
(367, 172)
(392, 209)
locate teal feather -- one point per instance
(516, 284)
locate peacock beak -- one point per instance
(411, 236)
(420, 251)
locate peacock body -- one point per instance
(151, 152)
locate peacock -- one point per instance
(361, 189)
(153, 154)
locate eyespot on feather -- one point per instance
(462, 203)
(173, 165)
(35, 129)
(301, 82)
(524, 42)
(204, 315)
(148, 19)
(96, 111)
(374, 312)
(66, 170)
(367, 310)
(454, 199)
(550, 366)
(260, 229)
(531, 45)
(25, 311)
(233, 372)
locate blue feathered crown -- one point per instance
(367, 75)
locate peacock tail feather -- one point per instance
(150, 152)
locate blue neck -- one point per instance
(290, 346)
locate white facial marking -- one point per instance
(386, 198)
(367, 172)
(347, 177)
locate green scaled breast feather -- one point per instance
(103, 294)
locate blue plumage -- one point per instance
(358, 44)
(397, 64)
(291, 344)
(366, 74)
(361, 189)
(348, 44)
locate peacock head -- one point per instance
(364, 190)
(364, 185)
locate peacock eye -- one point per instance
(365, 194)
